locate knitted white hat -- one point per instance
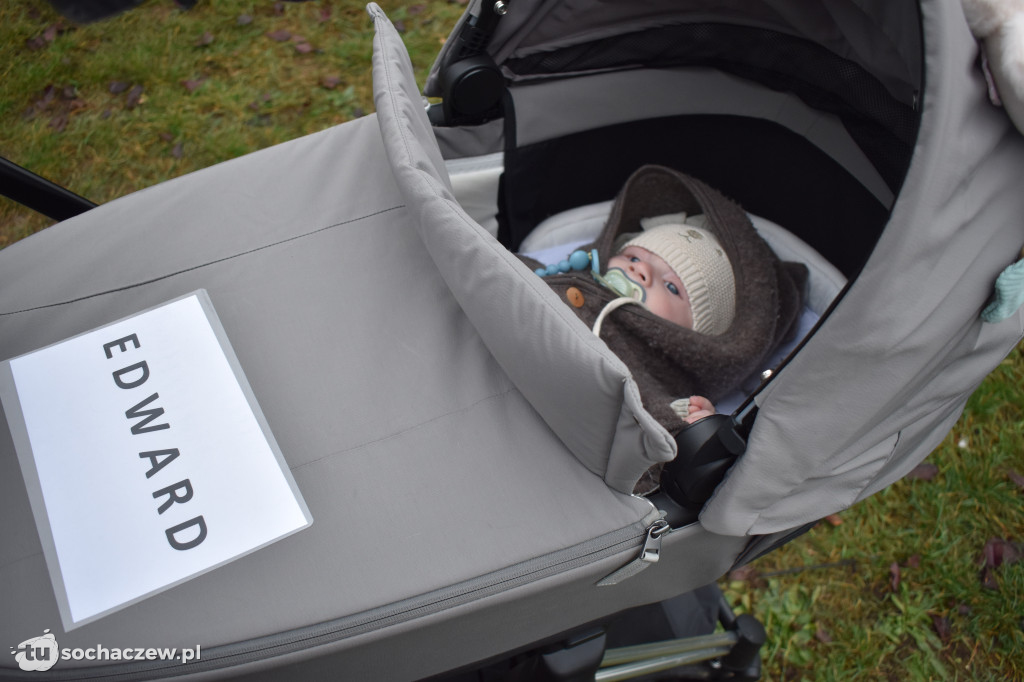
(696, 256)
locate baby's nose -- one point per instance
(642, 271)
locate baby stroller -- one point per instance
(467, 450)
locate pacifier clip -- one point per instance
(578, 261)
(615, 279)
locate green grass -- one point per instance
(158, 92)
(214, 87)
(829, 602)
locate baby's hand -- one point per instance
(700, 407)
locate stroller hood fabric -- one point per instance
(882, 382)
(880, 34)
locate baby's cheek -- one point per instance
(678, 311)
(662, 307)
(617, 262)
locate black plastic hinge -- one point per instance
(706, 450)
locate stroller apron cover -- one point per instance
(465, 447)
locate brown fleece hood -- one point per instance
(669, 361)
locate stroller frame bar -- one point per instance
(633, 670)
(668, 648)
(39, 194)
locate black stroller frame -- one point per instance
(608, 653)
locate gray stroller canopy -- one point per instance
(883, 37)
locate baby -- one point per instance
(683, 290)
(679, 271)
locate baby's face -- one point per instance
(666, 296)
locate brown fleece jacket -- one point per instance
(669, 361)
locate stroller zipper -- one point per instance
(650, 529)
(650, 553)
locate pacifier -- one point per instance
(618, 281)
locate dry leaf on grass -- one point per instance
(925, 471)
(941, 625)
(1016, 477)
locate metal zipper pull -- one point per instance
(652, 544)
(649, 554)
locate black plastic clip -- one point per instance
(706, 450)
(472, 86)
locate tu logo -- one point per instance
(38, 653)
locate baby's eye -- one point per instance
(634, 259)
(672, 288)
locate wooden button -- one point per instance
(575, 297)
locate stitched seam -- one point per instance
(202, 265)
(359, 446)
(408, 429)
(21, 558)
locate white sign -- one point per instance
(146, 457)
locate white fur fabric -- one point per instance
(999, 27)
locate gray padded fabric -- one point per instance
(422, 462)
(582, 390)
